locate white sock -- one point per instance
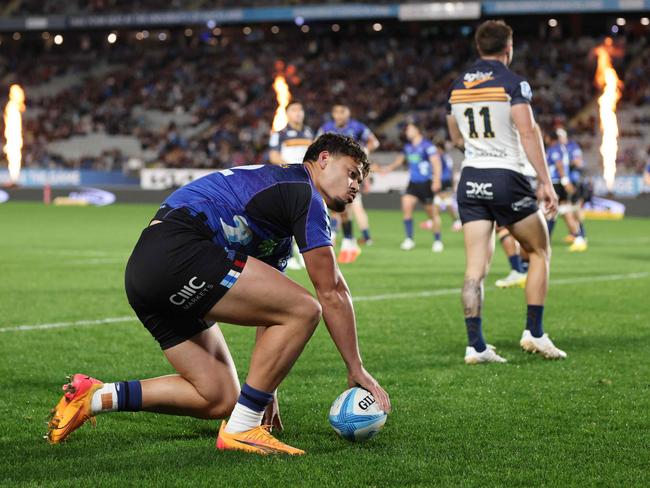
(242, 419)
(105, 399)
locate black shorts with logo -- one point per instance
(421, 190)
(176, 274)
(500, 195)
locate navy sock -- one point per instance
(129, 396)
(366, 234)
(408, 228)
(475, 333)
(256, 400)
(551, 226)
(534, 320)
(524, 266)
(515, 263)
(582, 230)
(347, 230)
(437, 236)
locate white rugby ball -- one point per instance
(356, 416)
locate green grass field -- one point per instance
(580, 422)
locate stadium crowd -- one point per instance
(223, 85)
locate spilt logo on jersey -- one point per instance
(473, 79)
(240, 233)
(479, 190)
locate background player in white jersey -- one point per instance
(288, 146)
(489, 115)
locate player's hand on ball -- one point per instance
(272, 415)
(548, 198)
(360, 377)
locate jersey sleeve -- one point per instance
(305, 210)
(431, 150)
(274, 141)
(520, 92)
(364, 133)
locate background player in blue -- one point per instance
(212, 253)
(490, 117)
(558, 159)
(581, 189)
(425, 180)
(342, 123)
(446, 195)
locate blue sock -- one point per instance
(551, 226)
(437, 236)
(515, 263)
(334, 225)
(475, 334)
(524, 266)
(366, 234)
(582, 230)
(256, 400)
(408, 228)
(129, 396)
(534, 320)
(347, 230)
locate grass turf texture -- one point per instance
(581, 422)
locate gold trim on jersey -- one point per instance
(489, 94)
(297, 142)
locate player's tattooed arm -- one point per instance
(472, 297)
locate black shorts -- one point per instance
(584, 192)
(176, 274)
(500, 195)
(421, 190)
(562, 194)
(446, 185)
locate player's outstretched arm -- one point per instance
(436, 164)
(399, 161)
(531, 140)
(338, 314)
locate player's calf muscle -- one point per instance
(472, 297)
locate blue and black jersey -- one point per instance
(354, 129)
(557, 155)
(255, 210)
(417, 157)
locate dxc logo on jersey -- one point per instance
(190, 293)
(479, 190)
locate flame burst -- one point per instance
(283, 95)
(608, 81)
(13, 130)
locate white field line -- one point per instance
(368, 298)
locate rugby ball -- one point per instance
(356, 416)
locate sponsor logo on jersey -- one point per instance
(191, 293)
(479, 190)
(473, 79)
(239, 233)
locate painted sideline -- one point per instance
(367, 298)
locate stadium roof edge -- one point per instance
(404, 12)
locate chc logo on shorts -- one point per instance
(190, 293)
(479, 190)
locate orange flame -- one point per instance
(13, 130)
(610, 84)
(283, 95)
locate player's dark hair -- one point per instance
(294, 102)
(338, 144)
(492, 37)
